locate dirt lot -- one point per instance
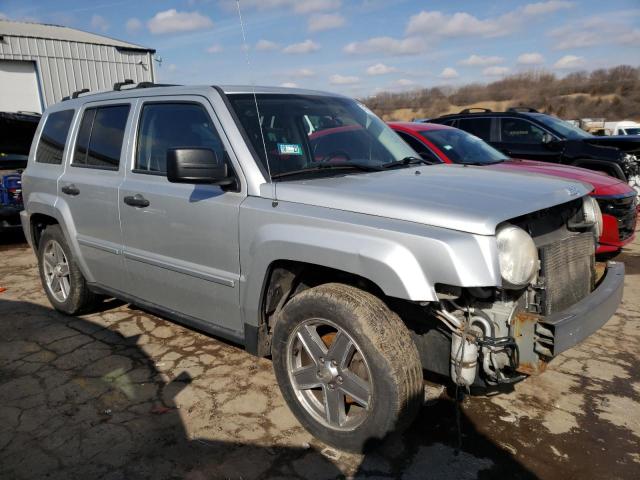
(124, 394)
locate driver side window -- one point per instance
(172, 125)
(516, 130)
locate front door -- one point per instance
(181, 241)
(520, 138)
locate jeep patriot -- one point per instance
(297, 224)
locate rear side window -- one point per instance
(172, 125)
(53, 138)
(100, 137)
(480, 127)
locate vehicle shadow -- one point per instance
(79, 399)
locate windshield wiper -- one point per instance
(406, 161)
(323, 167)
(482, 163)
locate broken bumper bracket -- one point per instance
(563, 330)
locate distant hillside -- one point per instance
(611, 93)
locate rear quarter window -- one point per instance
(53, 138)
(480, 127)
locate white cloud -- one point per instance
(172, 21)
(614, 28)
(438, 24)
(495, 71)
(215, 48)
(133, 25)
(569, 62)
(307, 46)
(266, 45)
(298, 6)
(532, 58)
(542, 8)
(303, 72)
(448, 74)
(380, 69)
(481, 61)
(325, 21)
(289, 85)
(343, 80)
(387, 45)
(100, 23)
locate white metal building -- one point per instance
(41, 64)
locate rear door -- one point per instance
(181, 243)
(521, 138)
(89, 188)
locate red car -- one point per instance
(443, 144)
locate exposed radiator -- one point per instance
(567, 271)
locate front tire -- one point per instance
(61, 278)
(347, 366)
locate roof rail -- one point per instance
(522, 109)
(118, 85)
(471, 110)
(79, 92)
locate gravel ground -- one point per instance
(122, 394)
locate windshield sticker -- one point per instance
(289, 149)
(447, 147)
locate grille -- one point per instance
(624, 210)
(567, 269)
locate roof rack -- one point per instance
(522, 109)
(471, 110)
(75, 94)
(118, 85)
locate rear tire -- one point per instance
(347, 366)
(61, 278)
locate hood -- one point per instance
(626, 143)
(603, 184)
(465, 198)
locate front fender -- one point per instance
(406, 260)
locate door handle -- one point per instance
(70, 190)
(137, 200)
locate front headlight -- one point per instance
(517, 256)
(592, 214)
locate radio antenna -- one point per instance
(245, 46)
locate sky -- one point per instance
(356, 47)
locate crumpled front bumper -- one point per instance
(563, 330)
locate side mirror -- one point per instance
(197, 165)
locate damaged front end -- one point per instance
(498, 335)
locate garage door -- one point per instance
(19, 87)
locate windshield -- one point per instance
(317, 134)
(462, 147)
(563, 128)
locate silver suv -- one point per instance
(297, 224)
